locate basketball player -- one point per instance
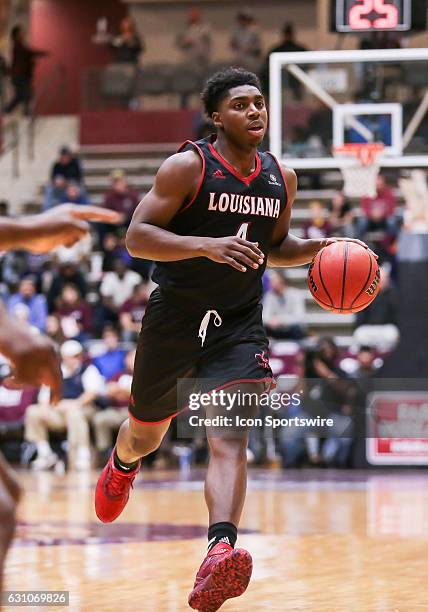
(218, 210)
(34, 358)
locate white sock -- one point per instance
(43, 449)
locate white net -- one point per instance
(360, 170)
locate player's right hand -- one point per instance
(35, 362)
(65, 225)
(236, 252)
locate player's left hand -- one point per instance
(328, 241)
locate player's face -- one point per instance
(243, 115)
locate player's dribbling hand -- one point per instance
(64, 225)
(236, 252)
(328, 241)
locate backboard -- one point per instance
(323, 99)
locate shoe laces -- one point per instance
(118, 482)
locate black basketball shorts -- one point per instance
(180, 344)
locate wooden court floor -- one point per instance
(322, 541)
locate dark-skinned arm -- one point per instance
(148, 238)
(34, 358)
(287, 249)
(62, 225)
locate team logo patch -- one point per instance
(262, 360)
(218, 174)
(273, 180)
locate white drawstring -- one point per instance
(206, 321)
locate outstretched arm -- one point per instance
(62, 225)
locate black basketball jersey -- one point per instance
(225, 204)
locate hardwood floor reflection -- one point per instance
(321, 542)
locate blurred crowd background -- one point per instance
(90, 299)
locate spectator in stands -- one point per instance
(67, 273)
(4, 208)
(366, 358)
(127, 46)
(36, 303)
(341, 216)
(116, 400)
(112, 360)
(112, 249)
(132, 311)
(195, 41)
(21, 313)
(318, 226)
(82, 384)
(246, 42)
(14, 266)
(287, 44)
(118, 286)
(336, 396)
(121, 197)
(74, 313)
(376, 325)
(319, 123)
(13, 405)
(22, 70)
(296, 443)
(55, 192)
(74, 194)
(378, 213)
(54, 329)
(283, 309)
(67, 166)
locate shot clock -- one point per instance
(353, 16)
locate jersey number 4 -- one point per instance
(243, 231)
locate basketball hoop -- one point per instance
(360, 167)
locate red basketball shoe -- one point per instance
(112, 492)
(225, 572)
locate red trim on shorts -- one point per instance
(228, 384)
(282, 174)
(201, 178)
(237, 381)
(244, 380)
(245, 179)
(152, 422)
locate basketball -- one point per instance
(344, 277)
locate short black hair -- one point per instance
(219, 84)
(365, 348)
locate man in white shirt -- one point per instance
(117, 286)
(283, 309)
(195, 41)
(82, 383)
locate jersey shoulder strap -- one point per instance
(276, 164)
(197, 147)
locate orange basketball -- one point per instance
(344, 277)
